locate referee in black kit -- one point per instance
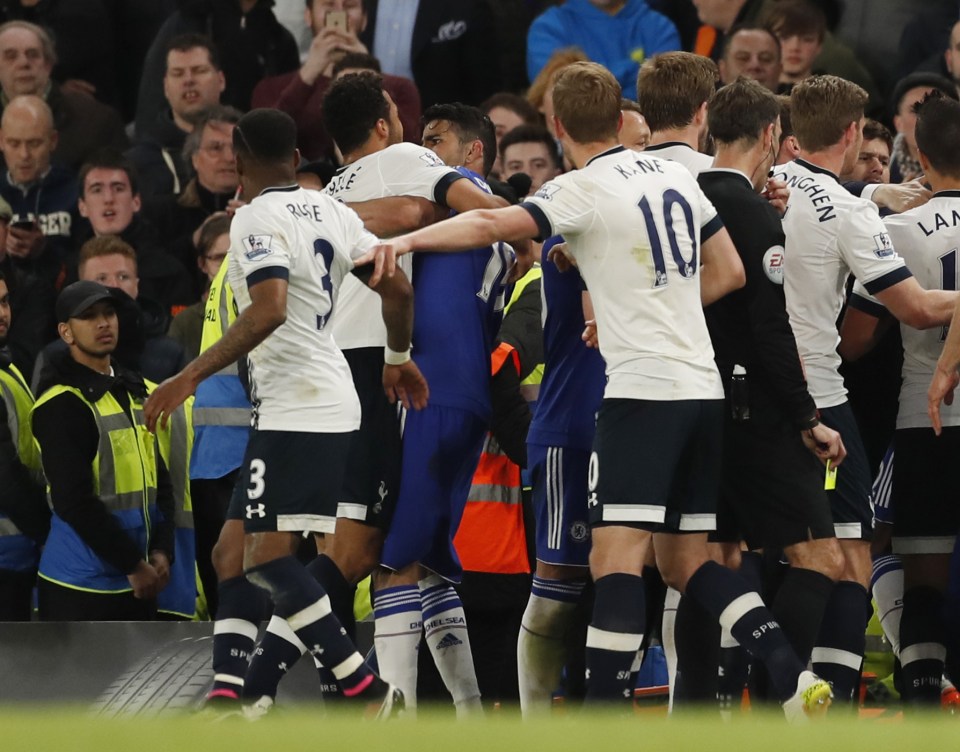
(772, 491)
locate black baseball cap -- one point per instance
(76, 298)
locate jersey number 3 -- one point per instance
(686, 267)
(324, 250)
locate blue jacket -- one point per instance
(620, 42)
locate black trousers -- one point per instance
(16, 592)
(210, 501)
(58, 603)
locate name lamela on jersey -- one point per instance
(941, 221)
(818, 195)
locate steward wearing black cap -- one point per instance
(110, 545)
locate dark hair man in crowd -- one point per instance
(192, 83)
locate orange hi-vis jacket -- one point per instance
(491, 537)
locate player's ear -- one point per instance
(297, 159)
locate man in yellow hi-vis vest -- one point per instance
(111, 539)
(24, 517)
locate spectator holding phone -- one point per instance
(336, 25)
(43, 197)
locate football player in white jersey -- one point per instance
(362, 119)
(290, 249)
(633, 222)
(672, 91)
(925, 512)
(829, 235)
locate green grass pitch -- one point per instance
(69, 730)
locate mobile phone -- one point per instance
(336, 19)
(24, 222)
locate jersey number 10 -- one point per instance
(687, 268)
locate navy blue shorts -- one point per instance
(656, 465)
(372, 476)
(926, 510)
(850, 503)
(290, 481)
(559, 477)
(441, 449)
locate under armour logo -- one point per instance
(259, 510)
(382, 491)
(592, 501)
(282, 666)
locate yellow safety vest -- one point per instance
(125, 479)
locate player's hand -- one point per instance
(941, 390)
(384, 257)
(232, 206)
(902, 197)
(777, 193)
(589, 335)
(406, 383)
(145, 581)
(561, 257)
(825, 443)
(160, 562)
(166, 398)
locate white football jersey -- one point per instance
(677, 151)
(634, 223)
(928, 238)
(830, 233)
(399, 170)
(299, 379)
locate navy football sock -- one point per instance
(741, 611)
(302, 602)
(838, 654)
(242, 606)
(614, 636)
(922, 651)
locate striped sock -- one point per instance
(234, 634)
(398, 625)
(445, 629)
(838, 655)
(301, 600)
(741, 611)
(922, 651)
(540, 647)
(886, 583)
(614, 636)
(277, 653)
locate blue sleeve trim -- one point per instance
(868, 307)
(443, 186)
(543, 224)
(268, 272)
(710, 229)
(888, 280)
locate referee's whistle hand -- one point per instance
(825, 443)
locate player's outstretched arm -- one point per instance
(722, 270)
(945, 377)
(402, 379)
(266, 312)
(916, 307)
(460, 233)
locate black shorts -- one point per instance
(851, 502)
(771, 492)
(926, 507)
(372, 479)
(656, 465)
(289, 481)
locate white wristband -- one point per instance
(393, 358)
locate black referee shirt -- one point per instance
(749, 327)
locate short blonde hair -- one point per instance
(821, 108)
(586, 100)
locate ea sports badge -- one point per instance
(773, 264)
